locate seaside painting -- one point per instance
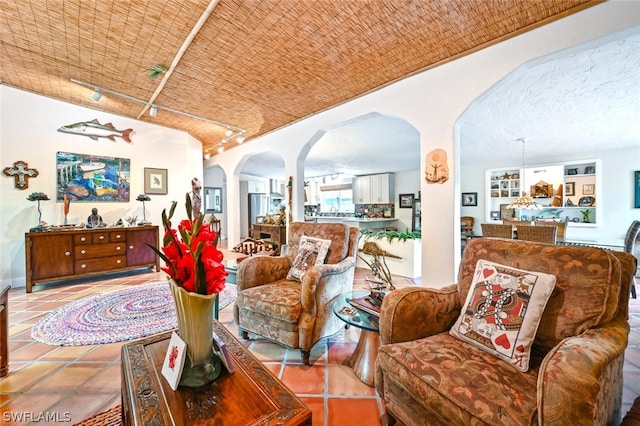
(84, 177)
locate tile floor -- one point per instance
(85, 380)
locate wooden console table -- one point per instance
(252, 395)
(56, 255)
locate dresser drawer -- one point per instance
(100, 264)
(84, 238)
(100, 250)
(117, 236)
(100, 237)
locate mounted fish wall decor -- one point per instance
(95, 130)
(83, 177)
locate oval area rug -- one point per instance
(115, 316)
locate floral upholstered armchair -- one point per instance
(427, 374)
(288, 298)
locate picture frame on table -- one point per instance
(406, 201)
(495, 215)
(155, 181)
(469, 198)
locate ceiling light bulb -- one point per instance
(207, 156)
(96, 95)
(228, 133)
(221, 149)
(153, 111)
(240, 138)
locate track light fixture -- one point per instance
(230, 132)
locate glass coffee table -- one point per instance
(364, 357)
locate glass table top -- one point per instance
(352, 315)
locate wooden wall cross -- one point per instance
(21, 174)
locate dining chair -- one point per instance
(540, 234)
(497, 230)
(629, 244)
(562, 227)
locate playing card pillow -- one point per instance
(502, 311)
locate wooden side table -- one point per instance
(252, 395)
(4, 329)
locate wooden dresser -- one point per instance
(56, 255)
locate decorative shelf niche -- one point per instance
(568, 191)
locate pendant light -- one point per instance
(524, 201)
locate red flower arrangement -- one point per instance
(193, 261)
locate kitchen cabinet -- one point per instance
(374, 189)
(257, 187)
(57, 255)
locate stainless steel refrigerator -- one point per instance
(258, 206)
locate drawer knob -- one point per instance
(102, 237)
(118, 248)
(67, 253)
(119, 261)
(130, 247)
(83, 266)
(118, 236)
(83, 239)
(83, 252)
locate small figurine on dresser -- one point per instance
(95, 220)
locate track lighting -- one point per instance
(230, 131)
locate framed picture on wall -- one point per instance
(570, 189)
(588, 189)
(155, 181)
(213, 200)
(406, 201)
(469, 198)
(636, 189)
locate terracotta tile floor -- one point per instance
(85, 380)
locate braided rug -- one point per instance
(115, 316)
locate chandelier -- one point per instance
(524, 201)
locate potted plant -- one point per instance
(586, 215)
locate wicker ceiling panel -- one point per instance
(258, 65)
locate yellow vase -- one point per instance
(195, 315)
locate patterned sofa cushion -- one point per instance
(438, 370)
(502, 311)
(279, 300)
(587, 286)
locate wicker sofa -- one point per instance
(426, 376)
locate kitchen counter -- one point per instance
(361, 222)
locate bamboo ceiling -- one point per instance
(255, 64)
